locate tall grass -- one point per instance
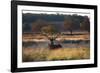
(30, 54)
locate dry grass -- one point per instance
(27, 38)
(30, 54)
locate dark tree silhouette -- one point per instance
(68, 25)
(26, 27)
(85, 25)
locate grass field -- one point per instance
(46, 54)
(30, 54)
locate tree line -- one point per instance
(70, 23)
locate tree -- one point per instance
(85, 25)
(38, 24)
(50, 32)
(68, 24)
(26, 27)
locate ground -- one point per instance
(30, 54)
(46, 54)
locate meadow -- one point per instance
(68, 51)
(45, 54)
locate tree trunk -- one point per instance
(51, 42)
(71, 32)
